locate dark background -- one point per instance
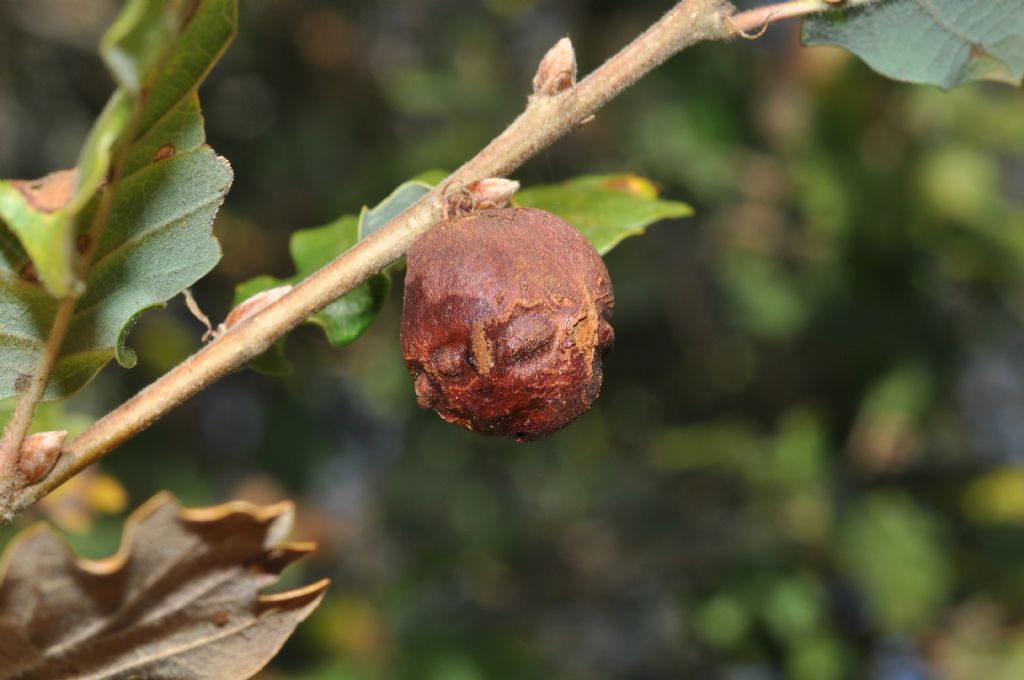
(806, 460)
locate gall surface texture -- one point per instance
(506, 322)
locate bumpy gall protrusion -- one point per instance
(506, 321)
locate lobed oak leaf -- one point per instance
(179, 600)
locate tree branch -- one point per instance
(545, 119)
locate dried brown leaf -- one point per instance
(179, 600)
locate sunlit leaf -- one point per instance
(605, 208)
(892, 550)
(181, 599)
(997, 497)
(940, 42)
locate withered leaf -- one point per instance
(179, 600)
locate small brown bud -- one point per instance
(38, 454)
(506, 322)
(246, 308)
(557, 70)
(253, 305)
(493, 192)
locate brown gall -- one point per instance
(506, 321)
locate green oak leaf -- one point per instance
(939, 42)
(400, 199)
(605, 208)
(156, 239)
(372, 219)
(343, 320)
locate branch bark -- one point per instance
(545, 119)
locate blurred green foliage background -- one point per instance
(808, 458)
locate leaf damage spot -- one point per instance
(82, 243)
(633, 185)
(22, 382)
(252, 306)
(165, 151)
(50, 193)
(28, 273)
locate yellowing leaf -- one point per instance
(179, 600)
(996, 497)
(73, 505)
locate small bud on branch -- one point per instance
(246, 308)
(38, 454)
(557, 70)
(493, 192)
(251, 305)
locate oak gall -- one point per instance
(506, 322)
